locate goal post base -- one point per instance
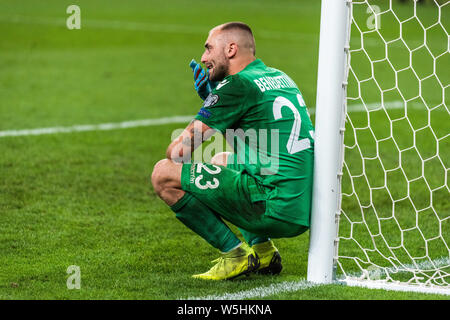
(391, 286)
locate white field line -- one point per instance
(160, 121)
(261, 292)
(374, 106)
(96, 127)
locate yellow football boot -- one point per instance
(269, 258)
(232, 264)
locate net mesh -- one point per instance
(394, 221)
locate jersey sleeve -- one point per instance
(226, 104)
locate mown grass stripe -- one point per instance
(167, 28)
(146, 27)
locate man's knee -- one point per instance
(166, 175)
(220, 159)
(166, 181)
(158, 176)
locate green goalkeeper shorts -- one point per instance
(237, 197)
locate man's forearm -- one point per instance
(180, 150)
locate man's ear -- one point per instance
(231, 50)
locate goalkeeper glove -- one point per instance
(201, 80)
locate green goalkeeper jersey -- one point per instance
(262, 114)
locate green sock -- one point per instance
(252, 238)
(205, 222)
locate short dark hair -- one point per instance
(243, 27)
(237, 25)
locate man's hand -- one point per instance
(201, 80)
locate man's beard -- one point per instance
(220, 72)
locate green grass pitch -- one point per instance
(85, 198)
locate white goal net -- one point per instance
(394, 220)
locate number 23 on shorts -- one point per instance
(199, 181)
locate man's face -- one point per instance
(214, 57)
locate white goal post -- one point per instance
(380, 212)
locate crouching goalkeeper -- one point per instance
(263, 188)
